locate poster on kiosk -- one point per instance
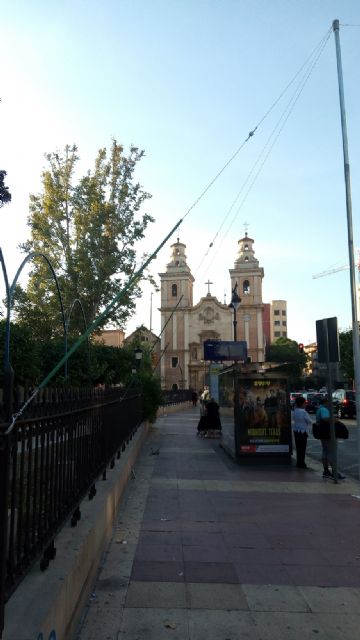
(258, 422)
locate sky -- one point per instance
(187, 80)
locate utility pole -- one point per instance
(355, 324)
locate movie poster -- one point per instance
(262, 416)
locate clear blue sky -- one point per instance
(186, 80)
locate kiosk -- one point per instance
(255, 415)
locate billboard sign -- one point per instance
(223, 350)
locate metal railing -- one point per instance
(48, 464)
(175, 397)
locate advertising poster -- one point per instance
(262, 416)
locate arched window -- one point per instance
(174, 290)
(246, 247)
(246, 287)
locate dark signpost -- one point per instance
(222, 350)
(327, 337)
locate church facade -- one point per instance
(185, 325)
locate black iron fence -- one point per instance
(176, 397)
(48, 464)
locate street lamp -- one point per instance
(235, 304)
(138, 356)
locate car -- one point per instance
(312, 400)
(293, 395)
(344, 403)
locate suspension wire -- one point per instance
(258, 163)
(166, 323)
(136, 276)
(130, 384)
(251, 133)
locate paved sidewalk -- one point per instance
(205, 549)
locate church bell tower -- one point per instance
(248, 276)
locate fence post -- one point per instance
(4, 493)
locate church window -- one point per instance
(174, 290)
(246, 247)
(246, 287)
(174, 362)
(246, 259)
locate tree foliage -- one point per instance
(5, 195)
(347, 353)
(286, 353)
(88, 228)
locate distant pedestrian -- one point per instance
(323, 417)
(301, 426)
(204, 397)
(213, 419)
(194, 398)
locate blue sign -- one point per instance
(222, 350)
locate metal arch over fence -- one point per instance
(67, 322)
(8, 372)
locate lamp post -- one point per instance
(235, 304)
(138, 356)
(182, 376)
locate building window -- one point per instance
(246, 259)
(284, 334)
(277, 323)
(246, 247)
(174, 290)
(174, 362)
(246, 287)
(283, 313)
(284, 323)
(277, 334)
(276, 312)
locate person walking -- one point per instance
(323, 416)
(301, 426)
(213, 419)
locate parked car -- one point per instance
(293, 395)
(344, 404)
(312, 400)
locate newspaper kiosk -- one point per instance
(256, 417)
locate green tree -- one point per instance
(286, 353)
(24, 355)
(88, 229)
(347, 353)
(5, 195)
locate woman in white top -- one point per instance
(302, 422)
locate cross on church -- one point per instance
(208, 284)
(246, 226)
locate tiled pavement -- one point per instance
(205, 549)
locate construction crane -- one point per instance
(328, 272)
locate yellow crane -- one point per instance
(328, 272)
